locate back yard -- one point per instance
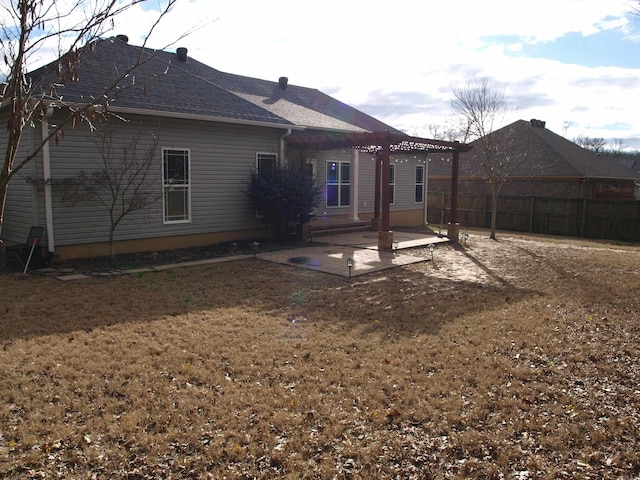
(509, 359)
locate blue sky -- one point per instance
(573, 63)
(604, 49)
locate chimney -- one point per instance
(182, 54)
(282, 82)
(123, 38)
(537, 123)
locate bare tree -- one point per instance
(480, 108)
(566, 125)
(450, 132)
(126, 181)
(26, 28)
(618, 146)
(591, 143)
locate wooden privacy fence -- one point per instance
(610, 219)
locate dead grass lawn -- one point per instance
(509, 359)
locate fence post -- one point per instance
(531, 212)
(583, 223)
(485, 210)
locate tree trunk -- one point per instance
(112, 251)
(494, 211)
(4, 186)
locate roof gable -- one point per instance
(535, 151)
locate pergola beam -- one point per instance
(373, 142)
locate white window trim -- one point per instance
(422, 183)
(188, 187)
(339, 184)
(314, 167)
(269, 154)
(392, 198)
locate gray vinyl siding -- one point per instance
(366, 192)
(221, 160)
(22, 206)
(405, 184)
(222, 156)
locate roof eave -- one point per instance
(205, 118)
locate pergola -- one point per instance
(383, 145)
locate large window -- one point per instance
(338, 184)
(266, 163)
(419, 190)
(392, 184)
(176, 185)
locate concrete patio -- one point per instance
(362, 247)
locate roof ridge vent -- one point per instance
(124, 38)
(182, 54)
(537, 123)
(283, 82)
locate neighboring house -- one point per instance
(214, 129)
(541, 164)
(632, 162)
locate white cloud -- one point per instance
(400, 61)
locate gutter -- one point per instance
(206, 118)
(46, 171)
(426, 187)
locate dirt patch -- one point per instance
(508, 359)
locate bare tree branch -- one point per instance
(29, 26)
(480, 108)
(596, 144)
(124, 182)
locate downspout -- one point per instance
(46, 171)
(283, 146)
(426, 188)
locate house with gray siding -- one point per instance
(211, 130)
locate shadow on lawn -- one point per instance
(418, 305)
(403, 301)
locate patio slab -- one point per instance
(369, 239)
(333, 259)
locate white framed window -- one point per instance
(312, 168)
(392, 184)
(338, 184)
(419, 185)
(265, 166)
(266, 163)
(176, 185)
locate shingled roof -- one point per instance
(174, 84)
(535, 151)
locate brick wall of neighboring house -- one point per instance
(551, 188)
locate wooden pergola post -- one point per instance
(385, 236)
(375, 221)
(454, 227)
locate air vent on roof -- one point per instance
(124, 38)
(182, 54)
(282, 82)
(537, 123)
